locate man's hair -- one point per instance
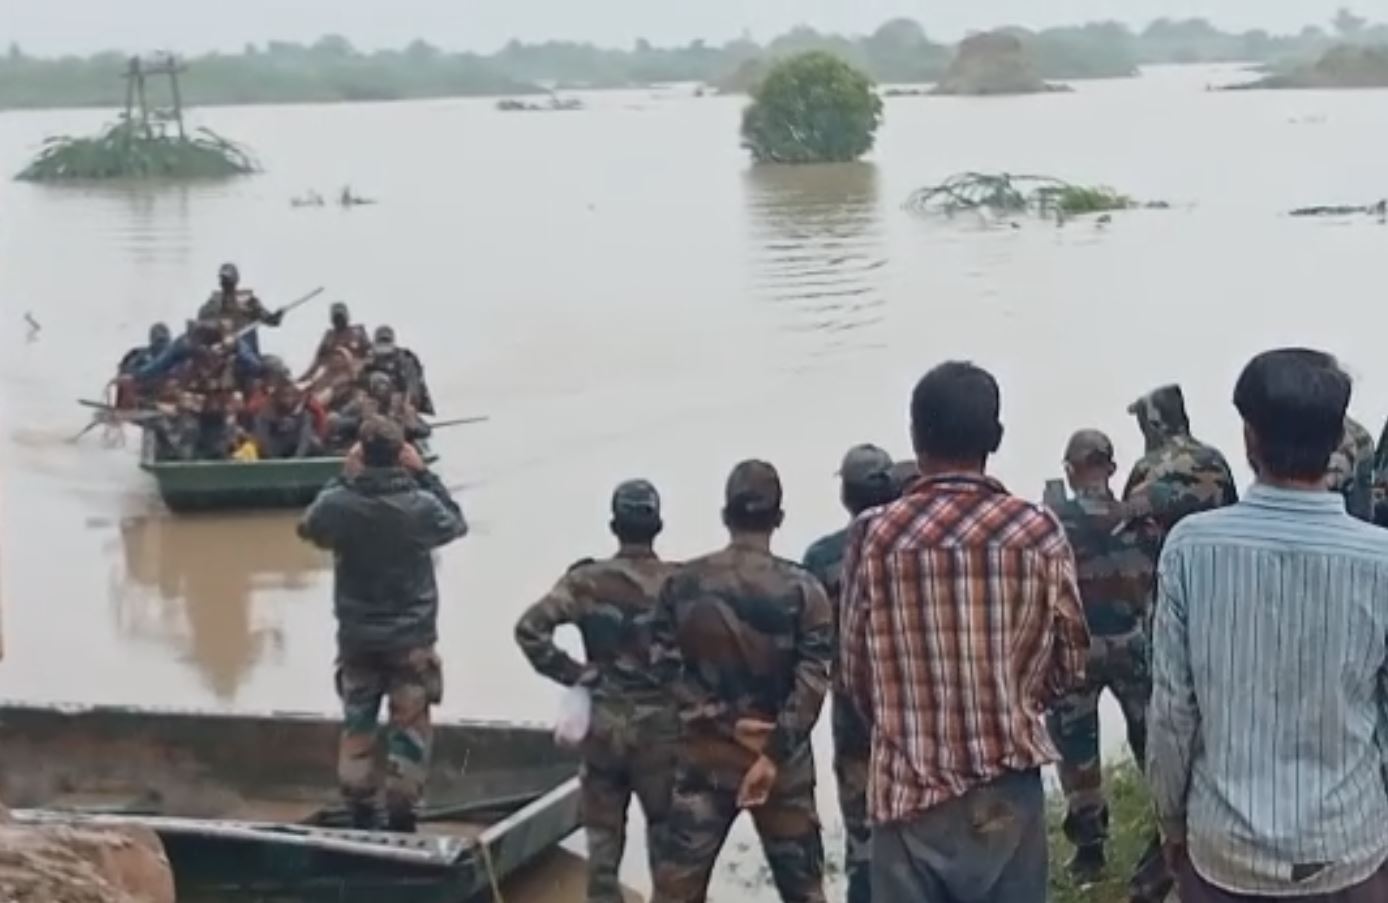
(381, 441)
(1294, 400)
(859, 497)
(954, 413)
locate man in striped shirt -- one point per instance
(961, 625)
(1268, 731)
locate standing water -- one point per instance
(626, 296)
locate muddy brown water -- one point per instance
(625, 296)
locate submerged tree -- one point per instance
(812, 108)
(1003, 193)
(147, 142)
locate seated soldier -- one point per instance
(130, 393)
(284, 427)
(342, 336)
(402, 366)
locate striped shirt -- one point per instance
(961, 623)
(1268, 732)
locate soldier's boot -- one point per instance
(1087, 866)
(402, 821)
(364, 815)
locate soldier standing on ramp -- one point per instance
(630, 743)
(744, 639)
(382, 521)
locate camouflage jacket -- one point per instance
(1115, 560)
(612, 603)
(824, 559)
(1179, 477)
(233, 313)
(1351, 470)
(742, 634)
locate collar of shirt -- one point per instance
(977, 483)
(1302, 501)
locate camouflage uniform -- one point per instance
(744, 637)
(852, 735)
(1115, 558)
(1179, 475)
(1351, 470)
(631, 740)
(403, 367)
(411, 681)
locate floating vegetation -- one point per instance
(147, 142)
(126, 151)
(1003, 193)
(555, 104)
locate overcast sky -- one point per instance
(59, 26)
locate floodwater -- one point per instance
(626, 296)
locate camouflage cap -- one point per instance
(159, 332)
(384, 337)
(338, 307)
(229, 271)
(1089, 447)
(753, 487)
(865, 465)
(636, 500)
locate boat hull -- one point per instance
(242, 802)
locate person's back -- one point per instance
(382, 522)
(961, 625)
(382, 526)
(1269, 723)
(743, 640)
(1179, 475)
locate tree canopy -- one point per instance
(812, 108)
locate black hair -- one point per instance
(954, 413)
(1294, 401)
(740, 520)
(880, 490)
(640, 531)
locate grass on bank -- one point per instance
(1130, 829)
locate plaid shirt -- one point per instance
(962, 623)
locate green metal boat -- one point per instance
(238, 485)
(246, 804)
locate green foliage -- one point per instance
(127, 151)
(1130, 831)
(812, 108)
(1004, 193)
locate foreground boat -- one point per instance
(246, 805)
(221, 485)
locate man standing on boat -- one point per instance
(744, 640)
(343, 335)
(631, 739)
(382, 521)
(235, 308)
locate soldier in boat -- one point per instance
(235, 308)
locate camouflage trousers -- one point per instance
(702, 811)
(1120, 663)
(411, 681)
(630, 749)
(852, 760)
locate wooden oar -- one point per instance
(458, 421)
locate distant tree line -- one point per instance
(900, 51)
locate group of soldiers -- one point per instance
(707, 677)
(211, 394)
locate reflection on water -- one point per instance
(190, 584)
(816, 232)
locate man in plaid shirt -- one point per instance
(961, 625)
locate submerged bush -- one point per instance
(127, 150)
(811, 108)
